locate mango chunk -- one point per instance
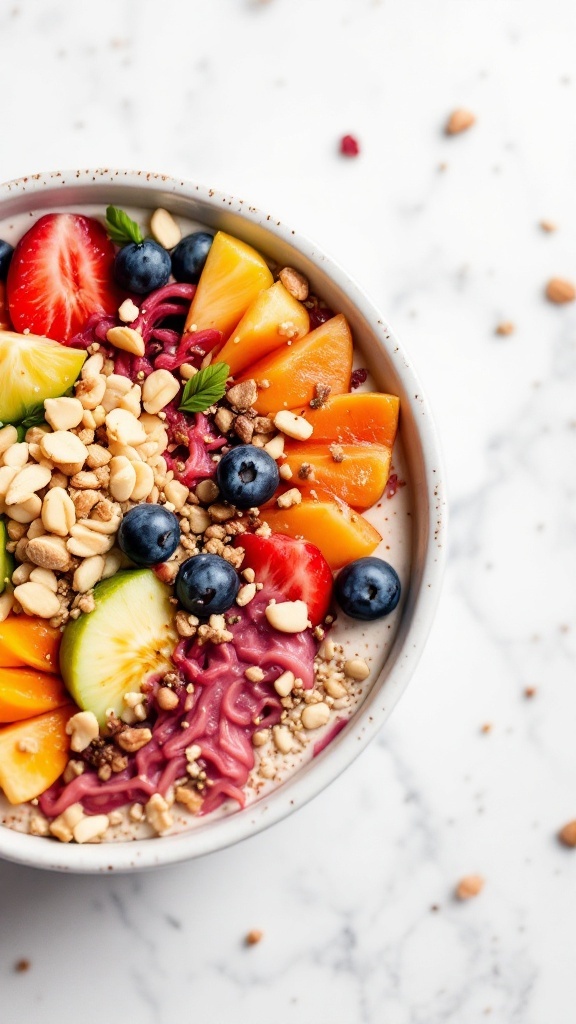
(292, 375)
(366, 417)
(341, 534)
(25, 692)
(232, 277)
(355, 473)
(273, 319)
(28, 641)
(33, 754)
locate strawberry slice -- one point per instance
(295, 568)
(60, 273)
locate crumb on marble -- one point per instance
(560, 291)
(460, 120)
(505, 328)
(548, 226)
(486, 728)
(529, 691)
(253, 937)
(469, 887)
(567, 834)
(21, 966)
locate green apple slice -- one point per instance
(6, 559)
(127, 639)
(32, 369)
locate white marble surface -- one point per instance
(252, 98)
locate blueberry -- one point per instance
(6, 251)
(149, 534)
(189, 256)
(367, 588)
(141, 267)
(247, 476)
(207, 585)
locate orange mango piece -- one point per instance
(359, 479)
(323, 357)
(232, 277)
(33, 754)
(25, 692)
(28, 641)
(273, 318)
(365, 417)
(341, 534)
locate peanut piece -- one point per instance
(91, 827)
(159, 388)
(357, 669)
(58, 511)
(284, 684)
(63, 413)
(122, 426)
(90, 390)
(82, 729)
(122, 478)
(84, 542)
(46, 577)
(176, 493)
(314, 716)
(64, 448)
(128, 311)
(49, 553)
(16, 455)
(126, 339)
(87, 574)
(164, 228)
(144, 481)
(26, 482)
(26, 511)
(8, 437)
(289, 498)
(292, 425)
(37, 600)
(288, 616)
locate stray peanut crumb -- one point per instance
(22, 965)
(505, 328)
(529, 691)
(254, 936)
(567, 834)
(486, 728)
(560, 291)
(459, 121)
(469, 887)
(548, 226)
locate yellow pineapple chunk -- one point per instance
(272, 320)
(232, 277)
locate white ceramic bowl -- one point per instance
(422, 468)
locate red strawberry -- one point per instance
(296, 568)
(60, 273)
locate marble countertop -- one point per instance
(472, 775)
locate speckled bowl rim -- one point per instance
(127, 187)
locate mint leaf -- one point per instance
(34, 416)
(205, 388)
(121, 229)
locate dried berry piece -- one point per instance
(349, 146)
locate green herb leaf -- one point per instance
(205, 388)
(34, 416)
(121, 229)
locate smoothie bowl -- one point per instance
(222, 520)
